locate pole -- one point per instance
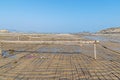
(94, 50)
(0, 49)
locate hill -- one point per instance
(110, 30)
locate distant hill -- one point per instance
(4, 31)
(110, 30)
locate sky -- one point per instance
(59, 16)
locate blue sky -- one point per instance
(61, 16)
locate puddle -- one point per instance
(44, 49)
(13, 57)
(59, 49)
(20, 50)
(8, 54)
(102, 38)
(5, 53)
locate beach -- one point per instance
(67, 61)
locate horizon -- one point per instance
(59, 16)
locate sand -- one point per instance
(60, 62)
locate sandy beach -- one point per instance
(59, 61)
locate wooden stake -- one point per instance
(94, 50)
(0, 49)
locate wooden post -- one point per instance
(0, 49)
(94, 50)
(95, 44)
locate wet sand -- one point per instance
(61, 62)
